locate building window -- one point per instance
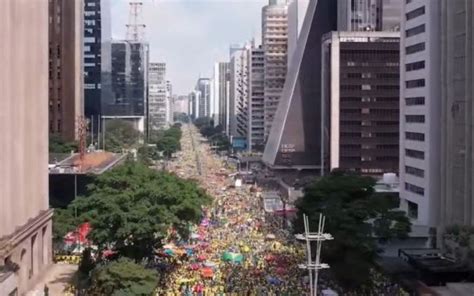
(413, 101)
(415, 118)
(415, 189)
(415, 136)
(415, 31)
(415, 48)
(415, 66)
(412, 210)
(415, 154)
(415, 13)
(414, 171)
(415, 83)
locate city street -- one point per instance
(234, 250)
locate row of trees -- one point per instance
(161, 144)
(213, 133)
(358, 218)
(130, 209)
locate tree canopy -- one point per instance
(131, 207)
(357, 218)
(121, 134)
(58, 145)
(123, 278)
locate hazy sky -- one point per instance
(190, 35)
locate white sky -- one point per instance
(190, 35)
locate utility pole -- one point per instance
(316, 265)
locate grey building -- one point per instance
(220, 93)
(295, 137)
(256, 105)
(157, 96)
(420, 111)
(129, 80)
(360, 102)
(369, 15)
(97, 56)
(457, 134)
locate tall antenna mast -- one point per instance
(135, 29)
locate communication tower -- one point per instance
(135, 27)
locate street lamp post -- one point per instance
(316, 265)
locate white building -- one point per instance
(158, 105)
(275, 45)
(220, 84)
(169, 103)
(239, 91)
(420, 103)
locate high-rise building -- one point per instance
(457, 134)
(239, 93)
(195, 104)
(369, 15)
(296, 14)
(360, 112)
(157, 96)
(275, 45)
(295, 137)
(221, 78)
(203, 85)
(256, 106)
(25, 217)
(66, 92)
(97, 56)
(129, 96)
(181, 104)
(169, 102)
(420, 111)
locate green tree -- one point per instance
(131, 207)
(63, 222)
(123, 278)
(120, 134)
(57, 145)
(168, 145)
(357, 218)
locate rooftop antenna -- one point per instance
(135, 29)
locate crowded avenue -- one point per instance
(237, 249)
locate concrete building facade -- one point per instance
(457, 134)
(66, 78)
(157, 97)
(256, 105)
(360, 102)
(25, 217)
(296, 14)
(239, 92)
(275, 45)
(203, 86)
(222, 94)
(420, 111)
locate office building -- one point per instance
(239, 93)
(66, 92)
(256, 105)
(129, 97)
(420, 111)
(295, 137)
(360, 105)
(180, 104)
(296, 14)
(275, 45)
(457, 181)
(369, 15)
(203, 86)
(194, 104)
(221, 78)
(25, 217)
(97, 56)
(157, 97)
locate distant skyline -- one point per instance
(190, 35)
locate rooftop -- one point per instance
(95, 162)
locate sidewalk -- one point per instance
(57, 279)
